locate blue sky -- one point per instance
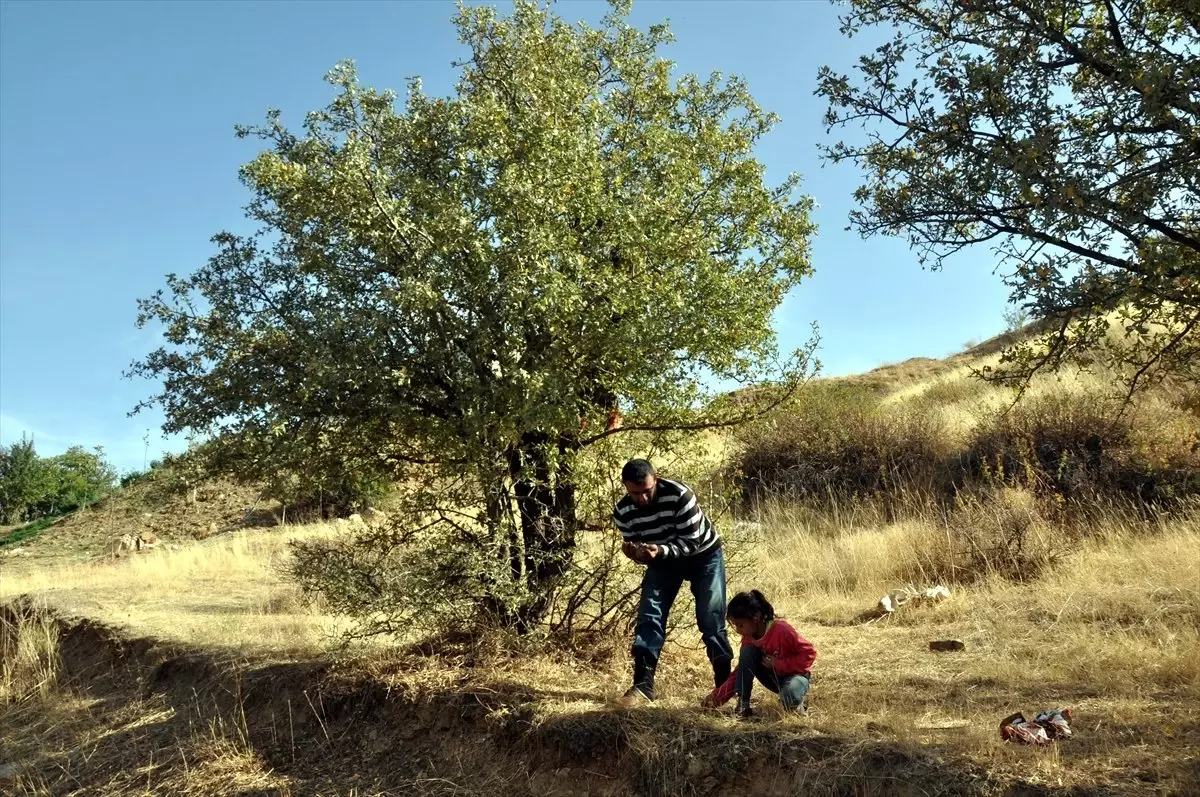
(118, 163)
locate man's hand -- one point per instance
(769, 661)
(639, 552)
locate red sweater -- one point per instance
(794, 655)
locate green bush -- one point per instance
(32, 486)
(839, 442)
(952, 391)
(24, 481)
(1088, 446)
(135, 477)
(28, 531)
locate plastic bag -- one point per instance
(1056, 722)
(1015, 728)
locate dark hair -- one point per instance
(747, 604)
(637, 471)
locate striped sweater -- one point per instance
(673, 521)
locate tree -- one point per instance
(33, 486)
(459, 293)
(1064, 134)
(24, 480)
(77, 478)
(1015, 318)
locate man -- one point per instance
(665, 529)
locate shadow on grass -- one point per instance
(1000, 694)
(133, 716)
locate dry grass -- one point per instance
(28, 656)
(143, 746)
(227, 592)
(1073, 435)
(1109, 629)
(158, 506)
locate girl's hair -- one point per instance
(747, 604)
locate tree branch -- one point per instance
(1158, 355)
(697, 427)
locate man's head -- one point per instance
(640, 480)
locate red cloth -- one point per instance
(794, 655)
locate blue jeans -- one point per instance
(660, 585)
(790, 688)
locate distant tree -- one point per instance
(77, 478)
(132, 477)
(33, 486)
(24, 481)
(1015, 317)
(1063, 134)
(462, 293)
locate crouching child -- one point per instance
(772, 652)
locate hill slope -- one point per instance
(159, 505)
(201, 670)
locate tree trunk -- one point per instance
(546, 505)
(505, 539)
(507, 548)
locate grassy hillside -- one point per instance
(202, 671)
(162, 504)
(933, 431)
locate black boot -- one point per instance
(643, 675)
(744, 712)
(721, 671)
(643, 683)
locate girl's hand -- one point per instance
(707, 702)
(769, 661)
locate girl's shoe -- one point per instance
(743, 711)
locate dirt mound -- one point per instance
(316, 727)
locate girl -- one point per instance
(772, 652)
